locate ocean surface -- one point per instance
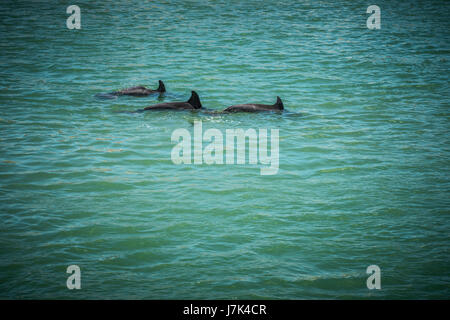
(364, 153)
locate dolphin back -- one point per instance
(279, 103)
(194, 100)
(162, 87)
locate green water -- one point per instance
(363, 160)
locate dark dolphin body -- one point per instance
(140, 91)
(192, 104)
(253, 107)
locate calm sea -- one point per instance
(363, 179)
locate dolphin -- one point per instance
(140, 91)
(192, 104)
(254, 107)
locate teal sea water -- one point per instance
(364, 150)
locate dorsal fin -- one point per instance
(194, 100)
(279, 103)
(162, 87)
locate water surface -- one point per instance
(364, 151)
